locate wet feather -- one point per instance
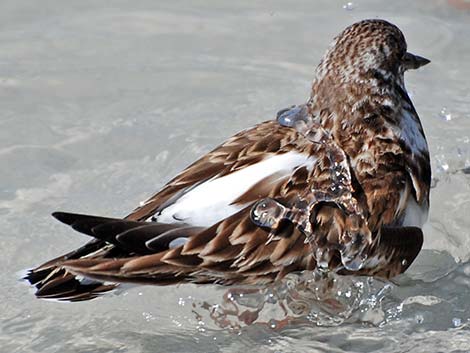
(350, 164)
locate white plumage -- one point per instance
(213, 200)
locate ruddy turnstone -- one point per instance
(340, 183)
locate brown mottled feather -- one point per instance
(366, 172)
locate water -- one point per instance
(101, 103)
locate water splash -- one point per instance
(445, 115)
(349, 6)
(323, 299)
(332, 184)
(291, 116)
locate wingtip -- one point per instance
(64, 217)
(26, 276)
(406, 241)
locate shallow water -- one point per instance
(101, 103)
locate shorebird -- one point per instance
(340, 183)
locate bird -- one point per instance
(339, 183)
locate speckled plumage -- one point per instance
(344, 177)
(371, 116)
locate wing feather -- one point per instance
(233, 249)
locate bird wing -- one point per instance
(227, 178)
(268, 141)
(233, 248)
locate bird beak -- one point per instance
(411, 61)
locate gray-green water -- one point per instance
(102, 102)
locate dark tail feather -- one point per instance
(395, 250)
(114, 238)
(54, 282)
(131, 237)
(405, 242)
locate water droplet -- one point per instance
(270, 298)
(175, 243)
(352, 255)
(148, 316)
(287, 117)
(181, 302)
(349, 6)
(445, 115)
(272, 324)
(354, 264)
(456, 322)
(466, 270)
(177, 323)
(419, 319)
(404, 262)
(201, 326)
(441, 164)
(291, 116)
(266, 212)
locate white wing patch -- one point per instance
(212, 200)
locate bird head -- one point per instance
(365, 47)
(366, 58)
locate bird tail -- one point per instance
(114, 239)
(52, 281)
